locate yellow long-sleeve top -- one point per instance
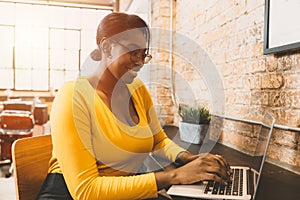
(99, 155)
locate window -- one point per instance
(42, 46)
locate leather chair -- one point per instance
(14, 124)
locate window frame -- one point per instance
(31, 88)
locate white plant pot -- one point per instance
(193, 133)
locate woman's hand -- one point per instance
(197, 168)
(205, 167)
(185, 157)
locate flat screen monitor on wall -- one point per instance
(282, 26)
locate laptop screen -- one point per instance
(262, 145)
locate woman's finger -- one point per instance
(219, 171)
(223, 162)
(214, 177)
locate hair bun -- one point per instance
(96, 55)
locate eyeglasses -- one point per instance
(137, 56)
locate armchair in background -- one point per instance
(14, 124)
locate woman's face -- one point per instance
(124, 52)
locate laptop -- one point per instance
(245, 178)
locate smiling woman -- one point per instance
(111, 127)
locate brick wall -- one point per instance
(160, 64)
(230, 34)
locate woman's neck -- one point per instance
(105, 82)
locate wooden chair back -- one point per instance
(31, 161)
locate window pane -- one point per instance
(39, 37)
(71, 60)
(7, 13)
(42, 36)
(88, 40)
(36, 15)
(57, 79)
(24, 14)
(23, 79)
(57, 38)
(6, 57)
(56, 16)
(6, 78)
(57, 59)
(72, 18)
(40, 80)
(72, 40)
(40, 15)
(71, 75)
(6, 36)
(24, 36)
(23, 57)
(40, 58)
(89, 18)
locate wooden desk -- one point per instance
(275, 184)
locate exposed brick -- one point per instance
(293, 99)
(255, 81)
(272, 81)
(239, 140)
(292, 80)
(231, 33)
(258, 65)
(296, 61)
(284, 138)
(169, 119)
(284, 154)
(259, 98)
(285, 63)
(243, 98)
(277, 98)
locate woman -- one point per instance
(104, 125)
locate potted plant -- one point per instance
(194, 125)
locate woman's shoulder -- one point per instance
(137, 84)
(139, 87)
(74, 86)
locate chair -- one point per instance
(38, 110)
(30, 160)
(14, 124)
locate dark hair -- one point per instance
(115, 23)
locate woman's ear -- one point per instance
(105, 45)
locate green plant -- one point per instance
(194, 114)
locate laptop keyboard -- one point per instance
(234, 188)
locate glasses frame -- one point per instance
(136, 59)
